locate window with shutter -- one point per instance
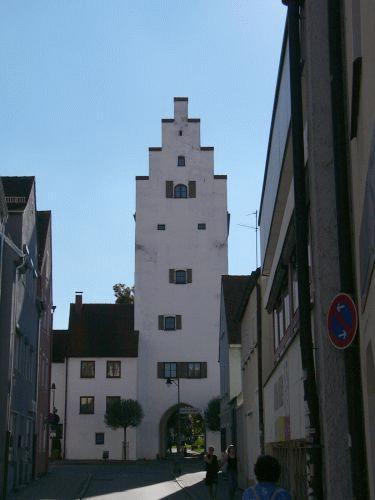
(192, 189)
(180, 191)
(180, 277)
(178, 322)
(169, 322)
(169, 189)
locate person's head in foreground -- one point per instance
(267, 469)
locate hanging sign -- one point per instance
(342, 321)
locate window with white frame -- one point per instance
(88, 369)
(86, 405)
(113, 369)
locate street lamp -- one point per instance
(53, 389)
(170, 381)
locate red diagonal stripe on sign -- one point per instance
(343, 323)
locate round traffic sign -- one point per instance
(342, 321)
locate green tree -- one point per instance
(124, 294)
(124, 413)
(212, 414)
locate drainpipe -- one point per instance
(301, 221)
(260, 366)
(345, 242)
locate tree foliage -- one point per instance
(212, 414)
(124, 294)
(124, 413)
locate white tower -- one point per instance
(180, 254)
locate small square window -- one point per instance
(109, 400)
(86, 405)
(181, 161)
(87, 369)
(99, 438)
(170, 323)
(202, 225)
(161, 227)
(113, 369)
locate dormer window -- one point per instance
(181, 161)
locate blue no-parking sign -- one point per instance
(342, 321)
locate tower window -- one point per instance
(180, 133)
(180, 191)
(201, 225)
(181, 161)
(180, 277)
(161, 227)
(170, 322)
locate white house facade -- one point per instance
(94, 363)
(180, 255)
(87, 435)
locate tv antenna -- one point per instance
(256, 229)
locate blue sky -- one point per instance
(84, 85)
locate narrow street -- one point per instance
(142, 480)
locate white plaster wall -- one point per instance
(290, 370)
(81, 429)
(58, 378)
(181, 246)
(235, 377)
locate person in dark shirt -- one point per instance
(212, 469)
(267, 472)
(231, 465)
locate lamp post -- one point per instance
(176, 381)
(53, 389)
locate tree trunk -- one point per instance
(124, 443)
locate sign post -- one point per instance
(342, 321)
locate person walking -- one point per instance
(267, 472)
(212, 469)
(230, 464)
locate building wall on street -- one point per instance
(24, 328)
(284, 409)
(44, 302)
(360, 63)
(57, 400)
(80, 434)
(250, 408)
